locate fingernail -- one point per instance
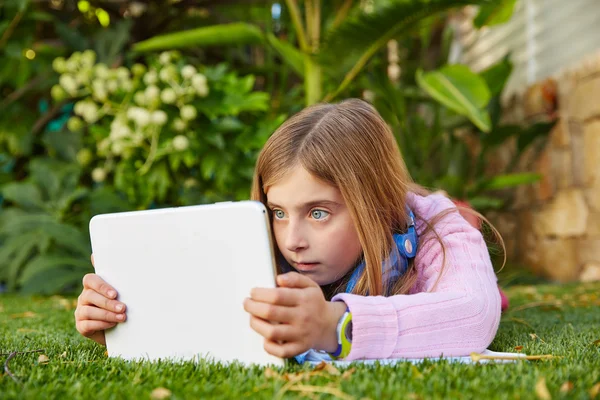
(112, 293)
(119, 307)
(120, 317)
(284, 278)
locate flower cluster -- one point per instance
(138, 105)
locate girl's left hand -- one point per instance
(294, 317)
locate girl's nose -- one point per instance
(295, 240)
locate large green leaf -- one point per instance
(495, 13)
(288, 53)
(53, 262)
(24, 194)
(459, 89)
(508, 180)
(497, 75)
(52, 281)
(216, 35)
(360, 36)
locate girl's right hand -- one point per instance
(97, 308)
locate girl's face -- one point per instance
(312, 227)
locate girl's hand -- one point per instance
(294, 317)
(97, 308)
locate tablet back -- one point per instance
(183, 274)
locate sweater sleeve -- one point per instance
(458, 315)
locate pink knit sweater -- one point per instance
(459, 316)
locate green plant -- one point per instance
(166, 133)
(337, 40)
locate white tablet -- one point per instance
(184, 274)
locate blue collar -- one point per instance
(407, 244)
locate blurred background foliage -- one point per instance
(108, 106)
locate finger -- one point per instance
(280, 296)
(284, 350)
(268, 312)
(91, 297)
(96, 314)
(274, 332)
(88, 327)
(94, 282)
(295, 280)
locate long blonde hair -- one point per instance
(349, 146)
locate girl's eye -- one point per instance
(319, 214)
(278, 214)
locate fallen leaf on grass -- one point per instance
(476, 357)
(596, 342)
(348, 373)
(327, 367)
(270, 373)
(43, 359)
(541, 390)
(518, 348)
(321, 389)
(63, 355)
(594, 391)
(160, 393)
(566, 387)
(26, 314)
(26, 330)
(534, 336)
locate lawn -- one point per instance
(563, 321)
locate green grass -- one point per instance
(568, 325)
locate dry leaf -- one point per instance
(416, 373)
(541, 390)
(348, 373)
(596, 342)
(332, 370)
(26, 314)
(63, 355)
(594, 391)
(270, 373)
(518, 348)
(43, 359)
(321, 389)
(160, 393)
(566, 387)
(534, 336)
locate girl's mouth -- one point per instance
(306, 267)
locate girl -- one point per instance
(372, 266)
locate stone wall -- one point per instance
(553, 226)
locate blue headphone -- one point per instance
(406, 244)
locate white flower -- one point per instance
(164, 58)
(150, 78)
(165, 74)
(101, 71)
(58, 93)
(188, 71)
(103, 146)
(122, 73)
(180, 143)
(200, 85)
(112, 86)
(99, 90)
(71, 65)
(137, 138)
(68, 83)
(168, 96)
(152, 93)
(188, 112)
(98, 174)
(90, 112)
(117, 148)
(139, 115)
(179, 125)
(119, 128)
(158, 117)
(127, 85)
(74, 124)
(60, 65)
(136, 9)
(88, 58)
(140, 98)
(138, 69)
